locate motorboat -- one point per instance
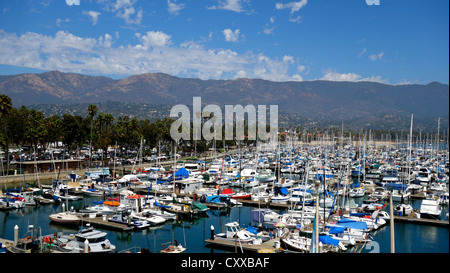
(390, 176)
(429, 208)
(99, 209)
(168, 216)
(148, 216)
(174, 249)
(235, 233)
(403, 209)
(424, 176)
(300, 196)
(88, 240)
(380, 193)
(357, 192)
(124, 217)
(93, 192)
(265, 176)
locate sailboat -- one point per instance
(404, 209)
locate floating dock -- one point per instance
(423, 221)
(99, 221)
(267, 247)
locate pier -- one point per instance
(99, 221)
(423, 221)
(266, 247)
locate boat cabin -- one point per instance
(188, 185)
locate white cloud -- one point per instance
(288, 59)
(301, 68)
(59, 21)
(331, 75)
(297, 19)
(231, 36)
(297, 78)
(73, 2)
(233, 5)
(154, 52)
(362, 53)
(124, 9)
(94, 16)
(154, 38)
(375, 57)
(173, 7)
(293, 6)
(269, 28)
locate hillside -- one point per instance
(329, 101)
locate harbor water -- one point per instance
(409, 237)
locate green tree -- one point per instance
(5, 110)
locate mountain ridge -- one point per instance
(314, 99)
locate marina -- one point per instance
(151, 211)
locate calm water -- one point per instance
(409, 238)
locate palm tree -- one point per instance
(5, 110)
(92, 110)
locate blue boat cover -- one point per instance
(336, 230)
(283, 191)
(257, 216)
(161, 206)
(397, 186)
(217, 198)
(253, 230)
(359, 214)
(325, 239)
(352, 224)
(182, 173)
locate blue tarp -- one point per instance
(253, 230)
(257, 216)
(397, 186)
(217, 198)
(161, 206)
(359, 214)
(283, 191)
(336, 230)
(325, 239)
(352, 224)
(183, 173)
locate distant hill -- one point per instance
(360, 102)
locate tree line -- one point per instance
(28, 127)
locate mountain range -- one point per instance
(322, 100)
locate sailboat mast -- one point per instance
(410, 146)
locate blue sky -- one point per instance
(395, 42)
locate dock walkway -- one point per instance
(267, 246)
(100, 222)
(412, 219)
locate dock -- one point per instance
(264, 204)
(423, 221)
(267, 247)
(98, 221)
